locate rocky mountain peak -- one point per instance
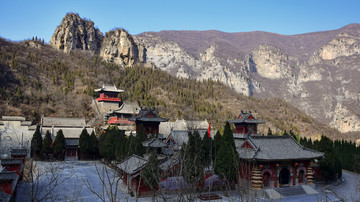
(76, 33)
(117, 46)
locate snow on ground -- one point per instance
(76, 174)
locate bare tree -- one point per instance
(43, 182)
(109, 181)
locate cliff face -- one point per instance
(76, 33)
(318, 72)
(117, 46)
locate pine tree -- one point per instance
(94, 144)
(193, 169)
(217, 143)
(46, 146)
(59, 145)
(84, 143)
(269, 132)
(226, 158)
(207, 148)
(151, 172)
(140, 137)
(36, 143)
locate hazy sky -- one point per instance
(22, 19)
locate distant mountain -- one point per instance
(37, 80)
(318, 72)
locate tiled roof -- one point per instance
(62, 122)
(68, 132)
(19, 152)
(71, 142)
(26, 123)
(128, 108)
(13, 118)
(132, 164)
(154, 142)
(8, 175)
(109, 89)
(11, 162)
(168, 164)
(276, 148)
(165, 127)
(244, 118)
(143, 116)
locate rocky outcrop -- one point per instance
(117, 46)
(317, 72)
(76, 33)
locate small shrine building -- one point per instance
(149, 119)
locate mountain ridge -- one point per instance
(304, 69)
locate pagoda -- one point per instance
(245, 124)
(108, 98)
(149, 119)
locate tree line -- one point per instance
(338, 154)
(48, 149)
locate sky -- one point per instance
(23, 19)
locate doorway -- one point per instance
(284, 176)
(301, 176)
(266, 179)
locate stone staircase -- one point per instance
(291, 191)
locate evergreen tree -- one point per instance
(217, 143)
(140, 137)
(207, 148)
(59, 145)
(84, 144)
(36, 143)
(46, 146)
(120, 150)
(269, 132)
(94, 144)
(226, 158)
(193, 169)
(151, 172)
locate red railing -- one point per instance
(115, 120)
(104, 97)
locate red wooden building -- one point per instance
(11, 174)
(132, 168)
(149, 119)
(108, 99)
(271, 161)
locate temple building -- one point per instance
(108, 99)
(15, 132)
(149, 119)
(71, 128)
(120, 116)
(271, 161)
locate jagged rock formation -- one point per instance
(318, 72)
(117, 46)
(76, 33)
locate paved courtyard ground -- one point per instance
(78, 173)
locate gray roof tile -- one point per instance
(132, 164)
(276, 148)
